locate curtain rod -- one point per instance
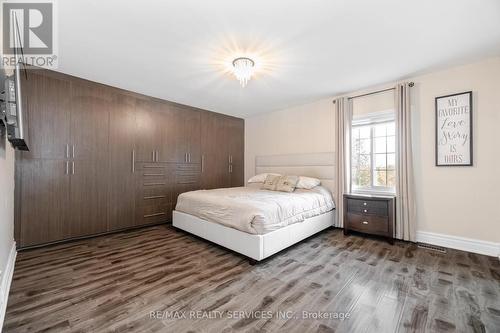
(411, 84)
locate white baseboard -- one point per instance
(6, 279)
(460, 243)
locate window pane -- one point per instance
(355, 132)
(364, 132)
(391, 161)
(363, 161)
(355, 147)
(380, 145)
(380, 130)
(391, 144)
(380, 178)
(364, 177)
(365, 146)
(391, 128)
(391, 178)
(355, 177)
(380, 161)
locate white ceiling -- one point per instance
(306, 50)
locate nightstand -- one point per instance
(370, 214)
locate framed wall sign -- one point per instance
(454, 130)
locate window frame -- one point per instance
(371, 121)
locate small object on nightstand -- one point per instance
(370, 214)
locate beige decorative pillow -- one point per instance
(287, 183)
(270, 183)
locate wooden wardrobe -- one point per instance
(103, 159)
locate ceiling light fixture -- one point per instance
(243, 69)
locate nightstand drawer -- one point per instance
(365, 206)
(368, 224)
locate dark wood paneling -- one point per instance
(214, 143)
(105, 125)
(44, 210)
(192, 128)
(49, 106)
(148, 130)
(88, 197)
(121, 199)
(89, 130)
(235, 139)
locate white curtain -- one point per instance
(405, 196)
(343, 121)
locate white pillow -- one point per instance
(308, 182)
(261, 177)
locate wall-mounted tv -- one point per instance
(13, 113)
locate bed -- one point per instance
(259, 223)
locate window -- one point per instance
(373, 145)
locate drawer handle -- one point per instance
(365, 210)
(153, 184)
(155, 197)
(365, 222)
(153, 166)
(153, 174)
(364, 203)
(186, 182)
(156, 214)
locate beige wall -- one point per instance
(6, 201)
(456, 201)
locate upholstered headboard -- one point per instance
(317, 165)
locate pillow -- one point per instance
(271, 182)
(308, 182)
(287, 183)
(261, 177)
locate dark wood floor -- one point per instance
(113, 283)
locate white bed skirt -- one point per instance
(256, 247)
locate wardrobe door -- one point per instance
(48, 104)
(148, 131)
(89, 158)
(215, 160)
(44, 206)
(88, 198)
(179, 138)
(167, 150)
(236, 144)
(91, 105)
(192, 131)
(121, 198)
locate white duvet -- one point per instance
(253, 210)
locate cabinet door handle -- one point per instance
(202, 163)
(133, 160)
(66, 172)
(189, 157)
(365, 222)
(67, 150)
(157, 156)
(73, 151)
(72, 167)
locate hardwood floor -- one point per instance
(114, 284)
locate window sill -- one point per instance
(373, 192)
